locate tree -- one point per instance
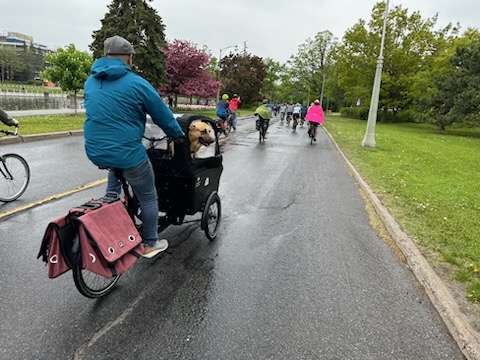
(70, 69)
(309, 67)
(140, 24)
(9, 62)
(187, 71)
(458, 96)
(32, 64)
(410, 46)
(243, 74)
(270, 86)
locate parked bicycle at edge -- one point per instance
(14, 169)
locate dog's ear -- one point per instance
(192, 127)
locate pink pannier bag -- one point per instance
(59, 233)
(109, 240)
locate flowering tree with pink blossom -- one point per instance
(187, 72)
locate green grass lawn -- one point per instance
(429, 180)
(32, 89)
(41, 124)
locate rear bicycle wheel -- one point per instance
(90, 284)
(14, 177)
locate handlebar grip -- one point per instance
(10, 132)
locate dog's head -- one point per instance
(199, 134)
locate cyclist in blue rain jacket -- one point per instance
(116, 103)
(223, 107)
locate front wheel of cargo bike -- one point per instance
(211, 216)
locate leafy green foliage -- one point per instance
(140, 24)
(9, 62)
(270, 87)
(243, 74)
(411, 47)
(458, 96)
(307, 70)
(70, 69)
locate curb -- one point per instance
(37, 137)
(467, 338)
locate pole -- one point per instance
(218, 77)
(218, 69)
(369, 139)
(323, 86)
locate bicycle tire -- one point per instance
(262, 133)
(211, 216)
(14, 177)
(90, 284)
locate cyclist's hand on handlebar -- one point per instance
(14, 122)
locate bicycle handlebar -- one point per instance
(10, 132)
(153, 140)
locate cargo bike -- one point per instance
(185, 186)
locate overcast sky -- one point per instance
(271, 28)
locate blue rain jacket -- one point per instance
(116, 104)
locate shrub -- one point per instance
(360, 113)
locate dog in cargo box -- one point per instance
(198, 135)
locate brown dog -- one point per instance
(199, 134)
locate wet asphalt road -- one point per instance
(295, 273)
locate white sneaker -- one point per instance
(151, 251)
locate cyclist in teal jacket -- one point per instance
(116, 103)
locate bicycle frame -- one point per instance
(4, 170)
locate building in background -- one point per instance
(21, 42)
(21, 59)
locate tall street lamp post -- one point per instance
(218, 68)
(369, 139)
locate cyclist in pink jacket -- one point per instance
(314, 117)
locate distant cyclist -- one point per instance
(314, 117)
(264, 114)
(283, 110)
(222, 107)
(296, 115)
(303, 112)
(289, 112)
(223, 110)
(233, 108)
